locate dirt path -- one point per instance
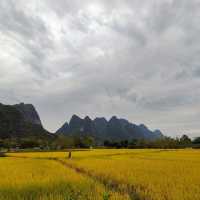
(111, 185)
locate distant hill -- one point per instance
(21, 121)
(115, 129)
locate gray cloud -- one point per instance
(136, 59)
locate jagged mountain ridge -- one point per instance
(20, 121)
(115, 129)
(29, 113)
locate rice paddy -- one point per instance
(101, 175)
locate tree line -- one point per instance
(63, 142)
(58, 143)
(163, 143)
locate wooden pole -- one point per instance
(70, 154)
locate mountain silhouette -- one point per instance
(115, 129)
(21, 121)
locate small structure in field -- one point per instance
(69, 154)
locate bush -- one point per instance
(2, 154)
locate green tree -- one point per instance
(185, 140)
(196, 140)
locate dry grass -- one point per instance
(125, 174)
(38, 179)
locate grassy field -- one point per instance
(101, 175)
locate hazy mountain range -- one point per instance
(115, 129)
(22, 120)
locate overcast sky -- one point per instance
(136, 59)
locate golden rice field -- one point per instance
(101, 175)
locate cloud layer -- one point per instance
(134, 59)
